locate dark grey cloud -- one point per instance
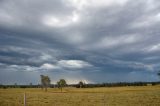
(95, 41)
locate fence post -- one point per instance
(24, 99)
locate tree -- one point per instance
(61, 83)
(15, 85)
(158, 73)
(81, 84)
(45, 81)
(30, 85)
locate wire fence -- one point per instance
(54, 99)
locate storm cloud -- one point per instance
(89, 40)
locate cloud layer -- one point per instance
(91, 40)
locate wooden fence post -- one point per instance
(24, 99)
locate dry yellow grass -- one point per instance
(114, 96)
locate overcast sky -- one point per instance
(94, 41)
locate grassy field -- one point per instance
(114, 96)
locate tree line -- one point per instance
(80, 85)
(46, 82)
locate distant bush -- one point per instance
(87, 85)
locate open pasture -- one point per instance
(109, 96)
